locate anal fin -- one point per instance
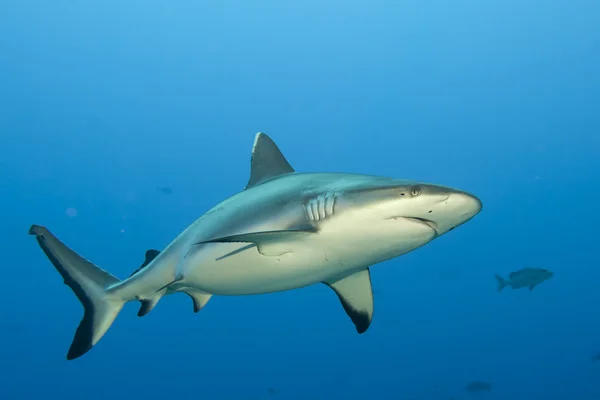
(148, 305)
(356, 295)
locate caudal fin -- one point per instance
(501, 282)
(89, 284)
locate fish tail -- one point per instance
(501, 282)
(89, 283)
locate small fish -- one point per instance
(479, 386)
(596, 357)
(272, 391)
(527, 277)
(165, 190)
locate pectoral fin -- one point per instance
(356, 295)
(269, 243)
(264, 236)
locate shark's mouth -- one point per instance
(430, 224)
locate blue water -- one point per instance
(101, 103)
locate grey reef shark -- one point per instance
(286, 230)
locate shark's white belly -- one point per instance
(242, 268)
(250, 272)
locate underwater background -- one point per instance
(122, 122)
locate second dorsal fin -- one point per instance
(148, 257)
(267, 161)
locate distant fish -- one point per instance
(479, 386)
(165, 190)
(527, 277)
(272, 391)
(596, 357)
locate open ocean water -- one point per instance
(122, 122)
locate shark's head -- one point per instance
(404, 215)
(441, 208)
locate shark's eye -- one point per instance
(415, 191)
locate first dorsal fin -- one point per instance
(267, 161)
(149, 256)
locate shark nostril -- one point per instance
(429, 212)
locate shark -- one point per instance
(285, 230)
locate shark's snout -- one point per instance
(446, 208)
(441, 208)
(457, 209)
(467, 204)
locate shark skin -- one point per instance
(286, 230)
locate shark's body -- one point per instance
(285, 230)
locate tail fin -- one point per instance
(501, 282)
(88, 282)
